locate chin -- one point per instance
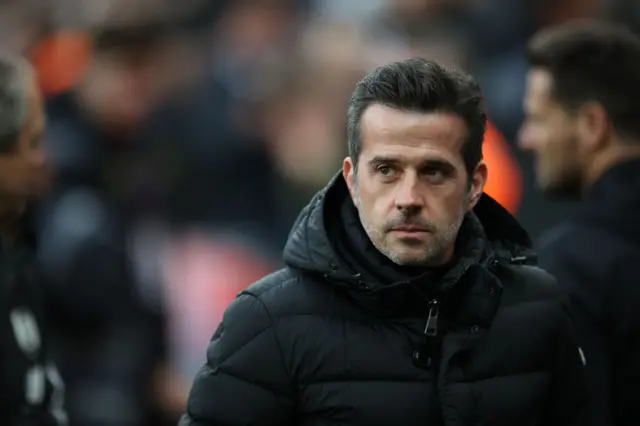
(409, 262)
(409, 259)
(565, 183)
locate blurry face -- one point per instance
(411, 187)
(552, 134)
(22, 171)
(124, 94)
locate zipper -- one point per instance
(432, 362)
(431, 328)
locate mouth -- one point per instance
(409, 230)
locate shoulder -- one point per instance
(266, 306)
(532, 299)
(587, 253)
(289, 292)
(528, 283)
(526, 276)
(580, 240)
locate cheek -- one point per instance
(448, 204)
(373, 204)
(543, 138)
(560, 148)
(546, 147)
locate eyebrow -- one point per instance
(432, 162)
(377, 160)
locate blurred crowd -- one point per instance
(184, 138)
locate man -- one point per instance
(582, 124)
(97, 150)
(407, 298)
(30, 388)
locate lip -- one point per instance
(409, 230)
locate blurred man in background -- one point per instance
(582, 125)
(31, 391)
(107, 339)
(406, 290)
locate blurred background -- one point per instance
(185, 136)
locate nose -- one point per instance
(525, 139)
(408, 195)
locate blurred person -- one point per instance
(409, 297)
(204, 273)
(582, 125)
(250, 36)
(22, 25)
(410, 28)
(108, 338)
(219, 125)
(304, 126)
(31, 390)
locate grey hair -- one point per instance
(14, 100)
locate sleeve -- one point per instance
(568, 397)
(244, 381)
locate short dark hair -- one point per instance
(592, 61)
(425, 86)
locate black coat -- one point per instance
(106, 338)
(595, 256)
(341, 337)
(31, 389)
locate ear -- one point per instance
(349, 173)
(593, 125)
(478, 181)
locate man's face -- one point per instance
(551, 133)
(22, 170)
(411, 187)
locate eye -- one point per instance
(433, 172)
(384, 170)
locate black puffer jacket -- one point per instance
(341, 336)
(31, 389)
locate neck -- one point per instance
(616, 154)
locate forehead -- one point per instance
(409, 135)
(539, 88)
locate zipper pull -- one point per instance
(431, 328)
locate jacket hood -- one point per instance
(309, 245)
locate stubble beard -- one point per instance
(434, 253)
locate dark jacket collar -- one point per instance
(621, 184)
(613, 201)
(310, 248)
